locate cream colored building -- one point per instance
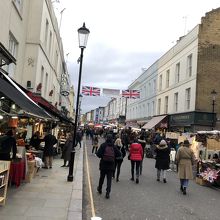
(182, 80)
(29, 31)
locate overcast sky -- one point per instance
(125, 37)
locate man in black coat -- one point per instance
(50, 140)
(106, 167)
(8, 144)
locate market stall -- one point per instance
(208, 165)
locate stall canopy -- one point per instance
(49, 107)
(10, 89)
(154, 121)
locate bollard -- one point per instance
(71, 166)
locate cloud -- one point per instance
(105, 67)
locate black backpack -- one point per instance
(109, 154)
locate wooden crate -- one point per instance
(201, 181)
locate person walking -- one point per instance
(107, 152)
(50, 140)
(143, 144)
(78, 137)
(162, 159)
(185, 160)
(136, 155)
(67, 148)
(95, 143)
(118, 160)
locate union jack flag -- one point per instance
(90, 91)
(133, 94)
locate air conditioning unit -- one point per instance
(29, 85)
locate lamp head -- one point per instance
(83, 34)
(213, 93)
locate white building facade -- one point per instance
(179, 84)
(30, 33)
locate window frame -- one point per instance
(187, 98)
(166, 100)
(189, 65)
(167, 78)
(176, 102)
(177, 73)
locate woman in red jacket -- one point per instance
(136, 155)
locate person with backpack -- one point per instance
(8, 144)
(107, 152)
(95, 143)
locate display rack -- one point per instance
(4, 175)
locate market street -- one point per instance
(148, 200)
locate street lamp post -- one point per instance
(83, 34)
(213, 93)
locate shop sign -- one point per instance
(202, 118)
(191, 118)
(172, 135)
(181, 119)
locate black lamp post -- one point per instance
(83, 34)
(213, 93)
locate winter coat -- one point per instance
(162, 157)
(67, 148)
(106, 165)
(35, 141)
(136, 152)
(123, 153)
(185, 160)
(49, 140)
(95, 141)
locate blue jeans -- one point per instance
(184, 182)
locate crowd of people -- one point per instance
(113, 151)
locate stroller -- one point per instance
(149, 151)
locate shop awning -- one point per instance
(154, 121)
(48, 107)
(10, 89)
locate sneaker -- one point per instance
(132, 179)
(117, 180)
(45, 167)
(137, 180)
(99, 190)
(164, 180)
(158, 180)
(50, 167)
(107, 196)
(63, 166)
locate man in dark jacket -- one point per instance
(35, 140)
(8, 144)
(78, 137)
(49, 140)
(106, 166)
